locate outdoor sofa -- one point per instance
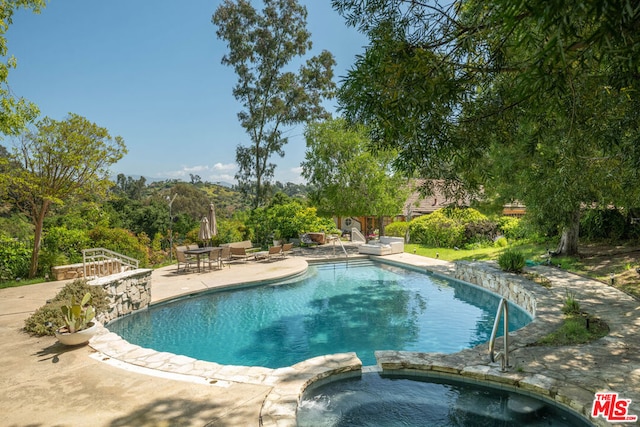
(387, 245)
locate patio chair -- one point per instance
(225, 256)
(184, 260)
(214, 257)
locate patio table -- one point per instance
(199, 252)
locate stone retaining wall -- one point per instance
(128, 291)
(76, 271)
(511, 286)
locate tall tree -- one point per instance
(461, 88)
(60, 161)
(262, 47)
(348, 179)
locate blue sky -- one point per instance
(150, 72)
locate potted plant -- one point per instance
(79, 326)
(277, 238)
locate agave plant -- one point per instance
(78, 315)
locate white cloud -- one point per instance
(223, 167)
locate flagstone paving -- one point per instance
(115, 383)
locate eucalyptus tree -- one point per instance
(263, 47)
(60, 162)
(347, 178)
(15, 113)
(525, 99)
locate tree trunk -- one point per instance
(38, 217)
(568, 245)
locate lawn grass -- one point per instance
(21, 282)
(577, 328)
(531, 251)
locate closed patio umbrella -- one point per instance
(205, 232)
(213, 225)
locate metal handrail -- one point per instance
(503, 308)
(337, 238)
(97, 258)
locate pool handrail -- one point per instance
(503, 308)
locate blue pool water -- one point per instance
(332, 309)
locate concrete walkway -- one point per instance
(46, 384)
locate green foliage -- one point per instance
(570, 305)
(436, 229)
(262, 47)
(397, 229)
(512, 228)
(121, 241)
(602, 224)
(291, 219)
(14, 259)
(501, 242)
(69, 243)
(48, 318)
(78, 314)
(452, 227)
(512, 261)
(532, 101)
(347, 177)
(60, 162)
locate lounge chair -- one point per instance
(287, 249)
(239, 254)
(273, 252)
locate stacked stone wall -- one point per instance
(128, 291)
(511, 286)
(76, 271)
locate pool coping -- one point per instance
(288, 384)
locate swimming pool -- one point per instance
(334, 308)
(395, 400)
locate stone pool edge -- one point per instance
(288, 384)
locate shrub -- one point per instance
(511, 261)
(501, 242)
(602, 224)
(452, 227)
(570, 305)
(14, 259)
(122, 241)
(69, 243)
(512, 228)
(436, 230)
(397, 229)
(48, 318)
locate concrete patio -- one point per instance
(112, 384)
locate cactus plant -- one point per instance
(77, 316)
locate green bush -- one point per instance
(501, 242)
(121, 241)
(48, 318)
(69, 243)
(14, 259)
(602, 224)
(452, 227)
(512, 228)
(397, 229)
(512, 261)
(436, 230)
